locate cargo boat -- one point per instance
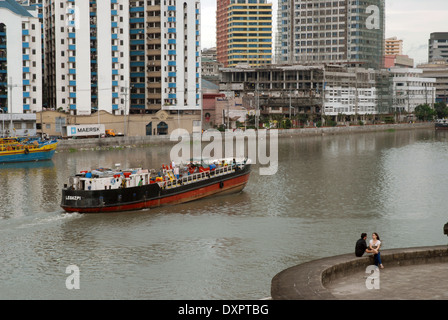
(106, 190)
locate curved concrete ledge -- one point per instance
(308, 281)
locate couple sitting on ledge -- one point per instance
(374, 247)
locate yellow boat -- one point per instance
(18, 150)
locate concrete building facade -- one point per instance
(86, 54)
(276, 89)
(244, 32)
(342, 32)
(20, 58)
(351, 91)
(411, 89)
(181, 63)
(393, 47)
(165, 56)
(439, 71)
(438, 46)
(398, 61)
(314, 91)
(221, 31)
(123, 57)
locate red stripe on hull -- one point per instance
(229, 186)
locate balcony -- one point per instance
(153, 52)
(153, 19)
(153, 8)
(154, 96)
(154, 74)
(156, 85)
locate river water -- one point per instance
(326, 192)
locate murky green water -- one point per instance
(326, 192)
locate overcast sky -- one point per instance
(409, 20)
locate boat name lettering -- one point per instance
(76, 198)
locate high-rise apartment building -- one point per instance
(438, 46)
(128, 56)
(181, 55)
(221, 31)
(20, 58)
(393, 47)
(86, 54)
(164, 39)
(244, 32)
(341, 32)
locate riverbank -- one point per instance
(73, 145)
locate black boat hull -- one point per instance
(151, 195)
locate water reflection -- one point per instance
(23, 186)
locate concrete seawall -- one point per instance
(104, 143)
(355, 129)
(344, 276)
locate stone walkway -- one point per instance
(409, 273)
(422, 282)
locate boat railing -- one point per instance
(174, 183)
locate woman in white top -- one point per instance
(375, 245)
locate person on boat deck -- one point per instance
(140, 183)
(176, 172)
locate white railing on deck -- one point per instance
(168, 184)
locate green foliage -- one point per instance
(250, 120)
(441, 110)
(389, 120)
(286, 124)
(424, 112)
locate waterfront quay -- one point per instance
(111, 142)
(411, 273)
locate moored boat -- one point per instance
(441, 124)
(106, 190)
(20, 150)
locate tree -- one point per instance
(424, 112)
(286, 123)
(441, 110)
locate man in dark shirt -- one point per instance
(361, 246)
